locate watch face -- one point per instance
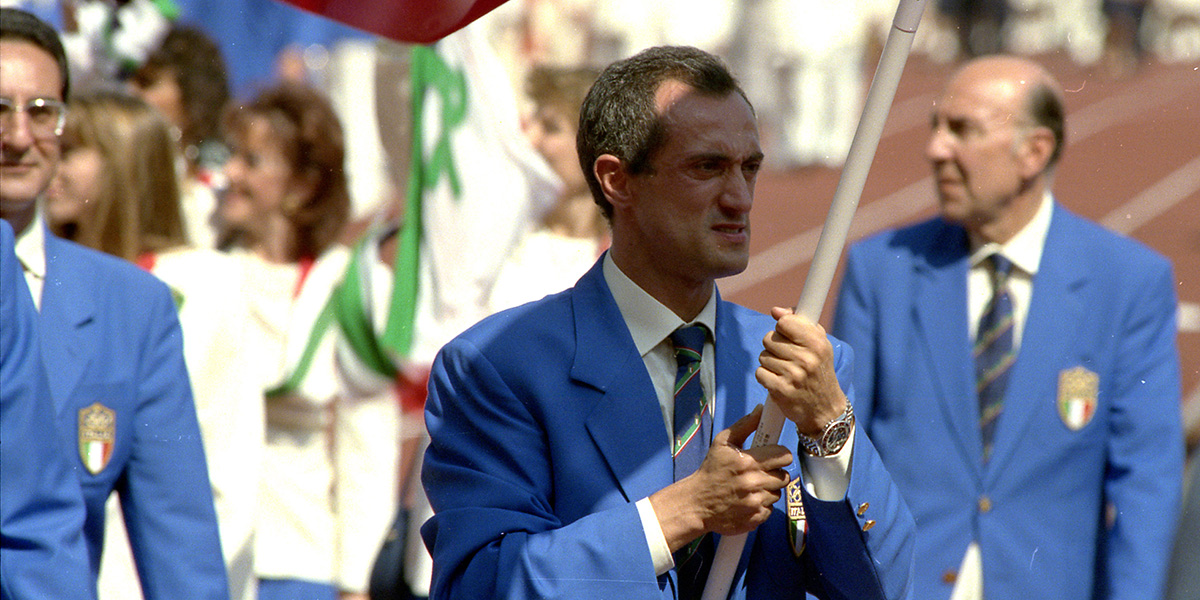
(835, 437)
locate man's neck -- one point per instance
(685, 298)
(1020, 212)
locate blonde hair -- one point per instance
(137, 209)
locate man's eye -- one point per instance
(42, 113)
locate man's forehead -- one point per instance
(993, 100)
(27, 69)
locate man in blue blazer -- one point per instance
(111, 344)
(42, 551)
(550, 467)
(1077, 492)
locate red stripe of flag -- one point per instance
(411, 21)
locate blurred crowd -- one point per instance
(260, 161)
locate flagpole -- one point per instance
(833, 239)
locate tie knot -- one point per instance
(1002, 265)
(689, 342)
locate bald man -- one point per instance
(1016, 365)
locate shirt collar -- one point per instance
(648, 320)
(31, 247)
(1025, 248)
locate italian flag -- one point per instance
(475, 186)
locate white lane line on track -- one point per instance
(1155, 200)
(1189, 317)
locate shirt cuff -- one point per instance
(660, 552)
(827, 478)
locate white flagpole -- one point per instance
(833, 239)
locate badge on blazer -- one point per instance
(797, 522)
(97, 435)
(1078, 389)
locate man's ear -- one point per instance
(1036, 150)
(614, 180)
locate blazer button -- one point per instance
(869, 524)
(985, 504)
(949, 577)
(862, 508)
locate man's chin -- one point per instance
(732, 267)
(15, 203)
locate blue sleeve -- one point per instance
(41, 507)
(489, 477)
(165, 493)
(855, 323)
(1142, 479)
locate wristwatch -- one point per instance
(832, 437)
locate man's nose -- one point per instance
(939, 146)
(739, 192)
(17, 131)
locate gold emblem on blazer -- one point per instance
(97, 436)
(797, 522)
(1078, 390)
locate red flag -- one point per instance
(412, 21)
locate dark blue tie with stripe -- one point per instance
(994, 352)
(693, 430)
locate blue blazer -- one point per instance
(42, 553)
(1100, 332)
(112, 346)
(545, 430)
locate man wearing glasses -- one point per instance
(111, 344)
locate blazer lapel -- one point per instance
(734, 369)
(941, 318)
(1054, 309)
(67, 320)
(627, 423)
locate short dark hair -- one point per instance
(1046, 110)
(618, 115)
(16, 23)
(193, 60)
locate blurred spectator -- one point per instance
(117, 192)
(185, 79)
(573, 233)
(1036, 27)
(1123, 47)
(1173, 29)
(978, 23)
(329, 481)
(633, 25)
(818, 49)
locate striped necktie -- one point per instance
(994, 352)
(692, 432)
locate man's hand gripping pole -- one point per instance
(833, 239)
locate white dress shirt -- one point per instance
(650, 323)
(1025, 252)
(31, 252)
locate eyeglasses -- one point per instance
(46, 116)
